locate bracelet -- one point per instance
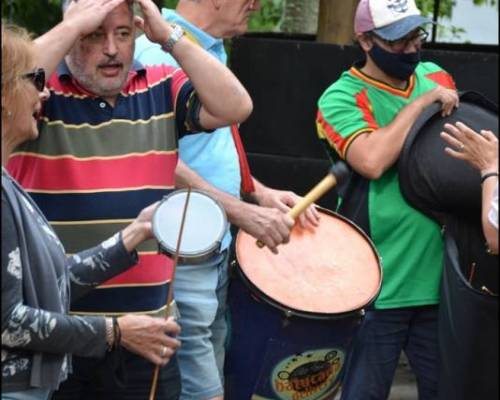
(486, 176)
(110, 337)
(117, 334)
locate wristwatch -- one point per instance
(175, 36)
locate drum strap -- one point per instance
(247, 185)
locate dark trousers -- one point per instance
(377, 348)
(90, 381)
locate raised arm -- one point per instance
(224, 99)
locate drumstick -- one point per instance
(337, 173)
(152, 393)
(472, 270)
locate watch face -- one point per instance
(176, 34)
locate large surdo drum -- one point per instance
(294, 314)
(449, 191)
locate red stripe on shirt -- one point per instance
(154, 75)
(151, 269)
(333, 136)
(364, 105)
(442, 78)
(69, 174)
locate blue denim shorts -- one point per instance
(200, 292)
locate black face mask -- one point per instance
(396, 65)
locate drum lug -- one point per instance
(286, 320)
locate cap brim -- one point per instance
(402, 27)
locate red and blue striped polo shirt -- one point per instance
(94, 167)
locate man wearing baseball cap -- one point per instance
(364, 118)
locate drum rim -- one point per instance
(289, 311)
(189, 255)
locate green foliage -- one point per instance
(486, 2)
(37, 16)
(445, 7)
(170, 3)
(268, 17)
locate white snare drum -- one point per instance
(204, 227)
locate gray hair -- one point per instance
(65, 4)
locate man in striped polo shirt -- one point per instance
(108, 147)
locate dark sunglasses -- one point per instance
(37, 77)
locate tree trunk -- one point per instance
(336, 21)
(300, 16)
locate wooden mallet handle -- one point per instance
(337, 173)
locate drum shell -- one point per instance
(191, 259)
(263, 337)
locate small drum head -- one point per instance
(204, 227)
(322, 272)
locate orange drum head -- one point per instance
(329, 269)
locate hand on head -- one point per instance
(87, 15)
(479, 149)
(152, 23)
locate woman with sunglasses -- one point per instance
(38, 281)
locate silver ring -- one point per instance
(163, 351)
(461, 147)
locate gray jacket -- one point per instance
(38, 282)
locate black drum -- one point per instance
(449, 191)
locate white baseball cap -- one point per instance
(389, 19)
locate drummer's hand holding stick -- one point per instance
(337, 172)
(284, 200)
(268, 221)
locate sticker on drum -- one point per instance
(204, 227)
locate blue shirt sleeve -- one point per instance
(149, 53)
